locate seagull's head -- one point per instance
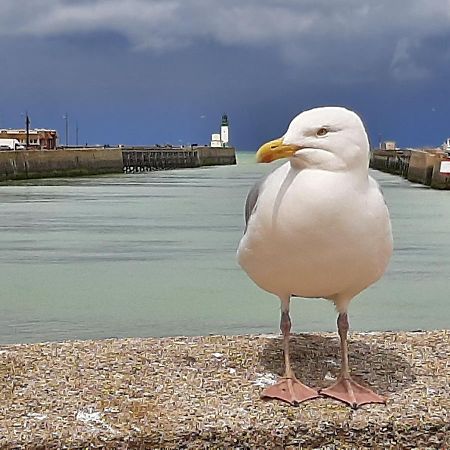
(331, 138)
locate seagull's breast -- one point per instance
(316, 233)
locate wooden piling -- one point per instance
(138, 159)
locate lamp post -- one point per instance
(66, 118)
(26, 117)
(27, 127)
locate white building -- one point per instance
(215, 140)
(221, 139)
(446, 145)
(388, 145)
(38, 138)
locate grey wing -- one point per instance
(252, 198)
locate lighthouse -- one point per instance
(224, 131)
(221, 139)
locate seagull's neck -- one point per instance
(359, 173)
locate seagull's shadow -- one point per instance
(315, 359)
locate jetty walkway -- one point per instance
(139, 159)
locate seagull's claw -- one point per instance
(290, 390)
(348, 391)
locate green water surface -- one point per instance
(153, 254)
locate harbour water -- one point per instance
(153, 254)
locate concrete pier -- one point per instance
(68, 162)
(204, 392)
(421, 165)
(17, 165)
(417, 166)
(440, 179)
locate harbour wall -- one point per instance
(417, 166)
(16, 165)
(68, 162)
(212, 156)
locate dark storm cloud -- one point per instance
(315, 34)
(260, 60)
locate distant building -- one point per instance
(446, 146)
(215, 140)
(388, 145)
(221, 139)
(39, 138)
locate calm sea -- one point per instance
(154, 255)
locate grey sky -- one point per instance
(153, 68)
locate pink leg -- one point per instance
(288, 389)
(345, 389)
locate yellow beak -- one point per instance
(274, 150)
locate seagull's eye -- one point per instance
(322, 132)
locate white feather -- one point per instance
(321, 227)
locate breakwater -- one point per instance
(67, 162)
(427, 167)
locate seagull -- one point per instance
(317, 227)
